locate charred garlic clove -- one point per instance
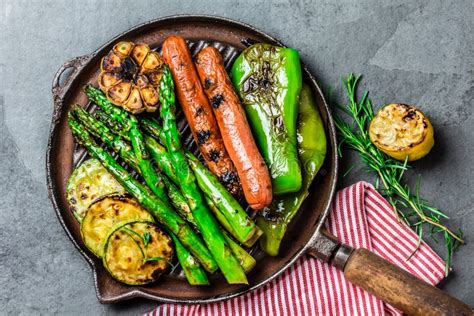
(119, 93)
(140, 52)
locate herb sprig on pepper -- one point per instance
(408, 206)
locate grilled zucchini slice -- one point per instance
(137, 252)
(104, 214)
(88, 183)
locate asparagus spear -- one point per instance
(230, 214)
(157, 151)
(246, 261)
(101, 131)
(113, 125)
(160, 155)
(153, 128)
(179, 202)
(130, 125)
(208, 227)
(162, 158)
(119, 114)
(152, 179)
(243, 227)
(160, 211)
(192, 269)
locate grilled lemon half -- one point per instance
(401, 130)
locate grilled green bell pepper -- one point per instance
(268, 79)
(312, 151)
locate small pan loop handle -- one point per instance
(77, 63)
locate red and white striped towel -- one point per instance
(360, 217)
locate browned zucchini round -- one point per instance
(88, 183)
(130, 75)
(137, 252)
(104, 214)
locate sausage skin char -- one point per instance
(235, 130)
(198, 112)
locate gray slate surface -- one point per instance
(418, 52)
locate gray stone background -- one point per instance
(417, 52)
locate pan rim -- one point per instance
(134, 293)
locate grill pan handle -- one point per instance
(76, 63)
(398, 287)
(385, 280)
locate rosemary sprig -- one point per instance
(408, 206)
(145, 238)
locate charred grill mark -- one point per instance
(129, 68)
(214, 155)
(270, 215)
(199, 111)
(217, 100)
(278, 122)
(207, 83)
(203, 136)
(410, 115)
(229, 178)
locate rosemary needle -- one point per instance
(408, 206)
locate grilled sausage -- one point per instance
(198, 112)
(235, 130)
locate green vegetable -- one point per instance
(99, 130)
(246, 261)
(161, 156)
(243, 227)
(88, 183)
(408, 204)
(227, 210)
(192, 268)
(130, 125)
(312, 150)
(268, 79)
(160, 211)
(208, 227)
(152, 178)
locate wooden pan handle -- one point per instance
(399, 288)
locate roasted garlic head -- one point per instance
(130, 75)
